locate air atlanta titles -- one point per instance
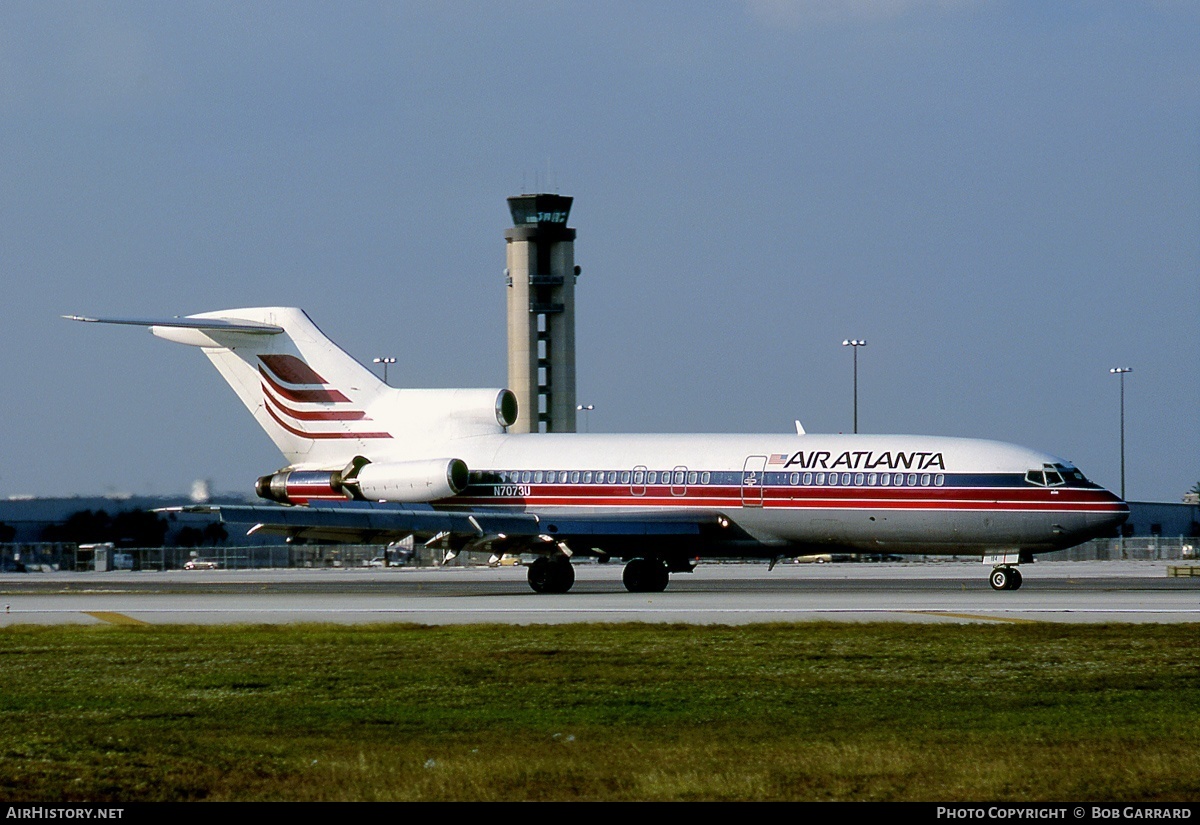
(866, 460)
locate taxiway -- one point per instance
(713, 594)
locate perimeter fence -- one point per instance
(51, 556)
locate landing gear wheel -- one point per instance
(551, 575)
(645, 576)
(1005, 578)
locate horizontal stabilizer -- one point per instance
(213, 324)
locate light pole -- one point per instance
(1121, 372)
(587, 418)
(854, 344)
(385, 361)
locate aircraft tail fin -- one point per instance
(319, 405)
(310, 396)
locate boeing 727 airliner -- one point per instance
(370, 463)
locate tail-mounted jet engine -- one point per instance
(404, 481)
(409, 480)
(303, 486)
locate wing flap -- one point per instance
(369, 521)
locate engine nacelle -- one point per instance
(446, 414)
(409, 481)
(302, 486)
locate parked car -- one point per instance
(201, 564)
(881, 557)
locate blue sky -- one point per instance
(1002, 198)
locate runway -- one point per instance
(731, 594)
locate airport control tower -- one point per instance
(541, 277)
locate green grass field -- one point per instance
(612, 712)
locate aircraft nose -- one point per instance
(1107, 522)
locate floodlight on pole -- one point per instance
(385, 361)
(1120, 371)
(854, 344)
(586, 409)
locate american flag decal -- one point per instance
(301, 401)
(777, 458)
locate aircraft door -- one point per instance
(638, 487)
(753, 480)
(679, 481)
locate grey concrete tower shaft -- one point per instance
(541, 313)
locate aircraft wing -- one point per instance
(369, 522)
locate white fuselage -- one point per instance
(863, 492)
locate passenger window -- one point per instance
(693, 478)
(899, 480)
(858, 479)
(794, 479)
(872, 478)
(537, 477)
(845, 479)
(821, 479)
(704, 478)
(885, 480)
(912, 480)
(925, 479)
(808, 478)
(587, 477)
(574, 476)
(624, 476)
(833, 479)
(678, 480)
(526, 477)
(652, 477)
(939, 480)
(639, 476)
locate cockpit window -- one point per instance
(1070, 474)
(1053, 475)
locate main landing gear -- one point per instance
(551, 575)
(645, 576)
(556, 575)
(1005, 578)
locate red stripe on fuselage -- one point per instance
(917, 498)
